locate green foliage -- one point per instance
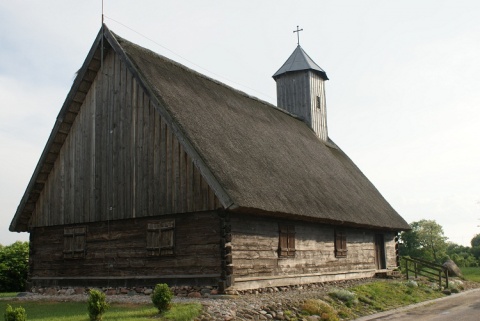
(321, 308)
(17, 314)
(13, 267)
(96, 305)
(475, 240)
(161, 297)
(425, 240)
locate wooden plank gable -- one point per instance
(120, 160)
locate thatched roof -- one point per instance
(265, 160)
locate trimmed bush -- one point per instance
(17, 314)
(97, 305)
(161, 297)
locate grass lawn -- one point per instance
(374, 297)
(8, 294)
(77, 311)
(471, 273)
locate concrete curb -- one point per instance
(412, 306)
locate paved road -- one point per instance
(459, 307)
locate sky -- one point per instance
(403, 99)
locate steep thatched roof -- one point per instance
(265, 159)
(261, 159)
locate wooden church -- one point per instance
(156, 173)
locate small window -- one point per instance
(74, 239)
(286, 242)
(319, 102)
(161, 238)
(340, 243)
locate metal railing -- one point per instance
(430, 270)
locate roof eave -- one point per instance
(307, 218)
(22, 217)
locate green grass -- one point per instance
(8, 294)
(77, 311)
(471, 273)
(380, 296)
(183, 312)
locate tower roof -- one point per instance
(299, 60)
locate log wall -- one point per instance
(256, 262)
(120, 160)
(116, 254)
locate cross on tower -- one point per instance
(298, 35)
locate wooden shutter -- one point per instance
(283, 240)
(291, 240)
(161, 237)
(340, 244)
(286, 240)
(74, 240)
(153, 238)
(167, 237)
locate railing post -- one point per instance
(440, 280)
(446, 278)
(406, 267)
(415, 268)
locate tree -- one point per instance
(13, 267)
(425, 240)
(475, 240)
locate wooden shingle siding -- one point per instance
(119, 249)
(120, 160)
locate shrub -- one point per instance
(96, 305)
(13, 267)
(320, 308)
(344, 295)
(17, 314)
(161, 297)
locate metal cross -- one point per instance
(298, 35)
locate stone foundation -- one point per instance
(180, 291)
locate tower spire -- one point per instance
(301, 90)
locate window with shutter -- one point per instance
(286, 241)
(340, 243)
(161, 238)
(74, 240)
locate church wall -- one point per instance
(256, 262)
(118, 253)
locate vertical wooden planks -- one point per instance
(155, 182)
(168, 170)
(133, 148)
(120, 154)
(93, 162)
(128, 142)
(163, 167)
